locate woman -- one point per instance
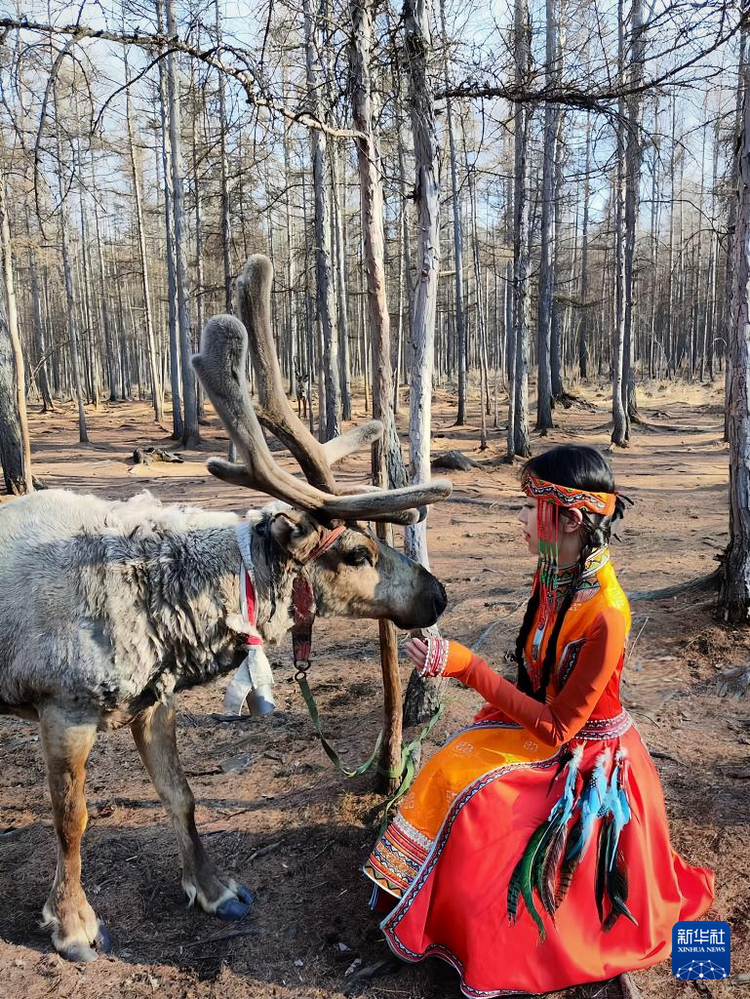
(532, 852)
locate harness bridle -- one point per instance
(255, 670)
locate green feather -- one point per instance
(521, 879)
(550, 870)
(603, 849)
(537, 872)
(568, 866)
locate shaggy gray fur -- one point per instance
(113, 602)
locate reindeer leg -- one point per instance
(66, 741)
(154, 734)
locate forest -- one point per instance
(554, 181)
(494, 227)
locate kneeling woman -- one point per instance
(532, 852)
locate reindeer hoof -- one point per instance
(103, 942)
(236, 908)
(79, 953)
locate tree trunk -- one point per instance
(330, 359)
(387, 449)
(226, 231)
(70, 300)
(560, 313)
(148, 322)
(458, 240)
(544, 421)
(11, 436)
(16, 454)
(735, 590)
(632, 190)
(418, 48)
(339, 229)
(520, 429)
(190, 430)
(166, 158)
(732, 223)
(481, 315)
(48, 404)
(619, 414)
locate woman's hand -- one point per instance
(416, 650)
(437, 656)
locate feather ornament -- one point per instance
(521, 880)
(537, 868)
(617, 889)
(592, 801)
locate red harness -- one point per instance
(302, 604)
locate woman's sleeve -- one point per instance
(566, 714)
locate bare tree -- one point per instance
(518, 418)
(620, 431)
(15, 446)
(418, 49)
(323, 250)
(458, 239)
(735, 589)
(547, 262)
(190, 430)
(156, 387)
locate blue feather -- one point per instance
(563, 807)
(619, 806)
(593, 800)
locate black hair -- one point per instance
(577, 467)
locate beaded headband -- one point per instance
(572, 499)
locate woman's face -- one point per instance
(527, 516)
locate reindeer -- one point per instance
(108, 609)
(300, 378)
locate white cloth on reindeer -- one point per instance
(251, 684)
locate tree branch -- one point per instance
(162, 44)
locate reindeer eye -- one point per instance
(358, 557)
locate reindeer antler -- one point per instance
(221, 366)
(253, 301)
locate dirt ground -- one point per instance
(272, 809)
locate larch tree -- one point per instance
(15, 445)
(323, 242)
(735, 588)
(418, 51)
(190, 429)
(518, 397)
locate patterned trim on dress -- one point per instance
(568, 659)
(594, 564)
(605, 728)
(439, 950)
(594, 729)
(397, 857)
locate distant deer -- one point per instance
(300, 377)
(107, 609)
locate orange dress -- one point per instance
(532, 852)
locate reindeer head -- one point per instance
(357, 575)
(354, 574)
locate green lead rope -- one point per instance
(407, 767)
(409, 763)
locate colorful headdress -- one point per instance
(570, 498)
(551, 498)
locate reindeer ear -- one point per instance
(295, 532)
